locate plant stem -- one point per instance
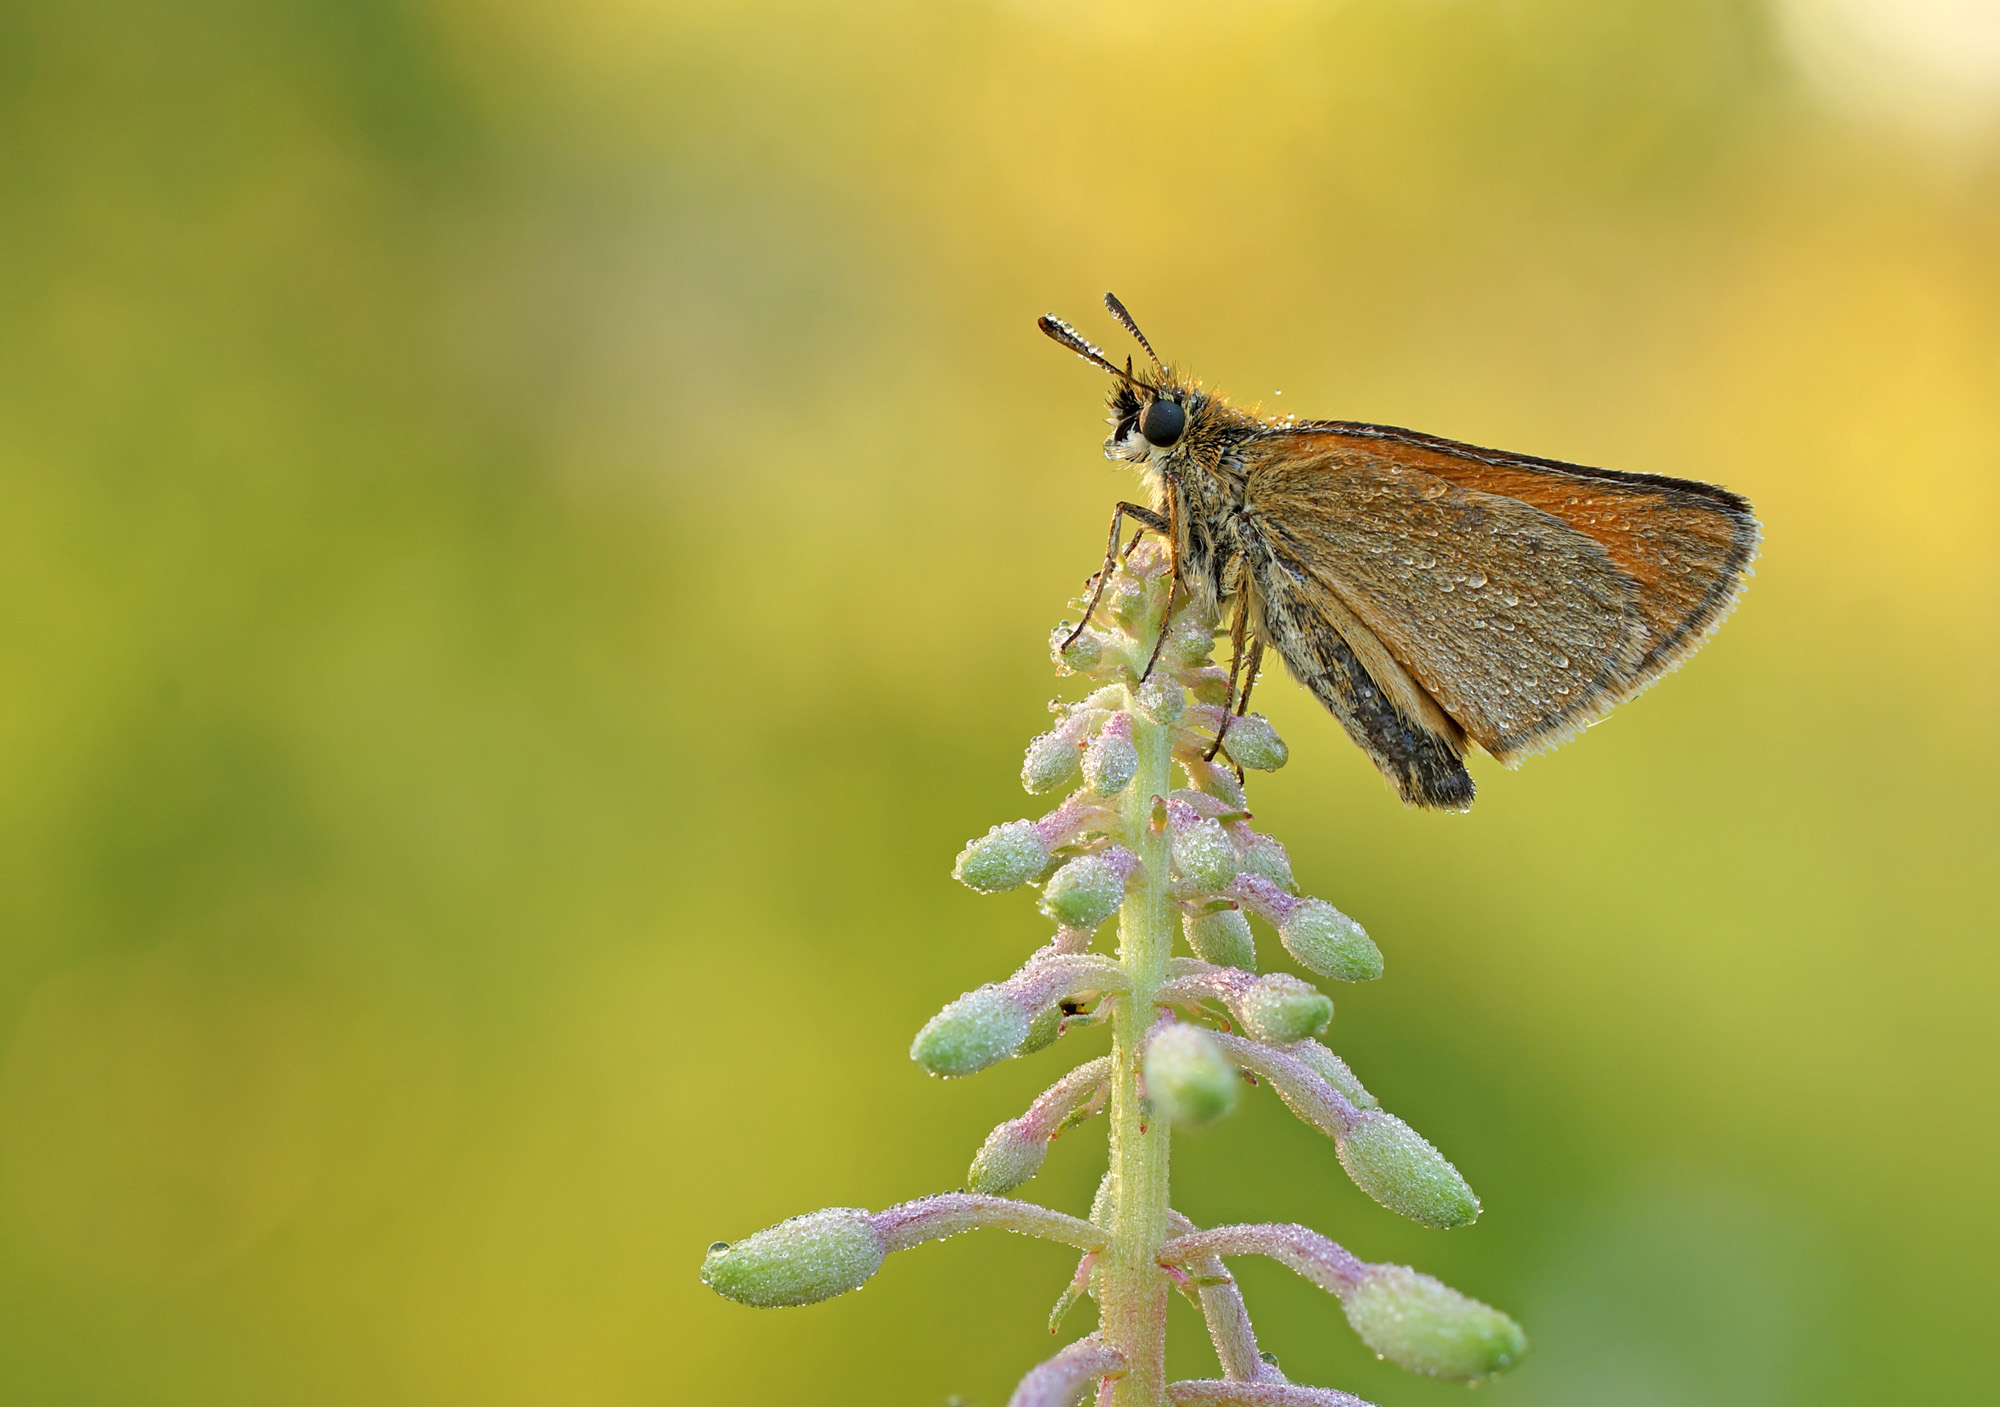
(1132, 1290)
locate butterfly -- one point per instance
(1432, 595)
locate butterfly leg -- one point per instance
(1239, 626)
(1150, 519)
(1250, 673)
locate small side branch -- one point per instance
(1227, 1317)
(1210, 1393)
(1325, 1263)
(1063, 1380)
(949, 1213)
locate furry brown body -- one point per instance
(1431, 593)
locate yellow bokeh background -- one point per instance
(527, 537)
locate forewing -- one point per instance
(1518, 625)
(1686, 546)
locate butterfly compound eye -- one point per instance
(1162, 423)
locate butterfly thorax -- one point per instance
(1197, 484)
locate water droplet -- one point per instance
(1476, 580)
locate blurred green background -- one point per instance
(527, 537)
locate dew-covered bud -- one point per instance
(1212, 778)
(980, 1029)
(1208, 685)
(1188, 643)
(1126, 598)
(1006, 857)
(802, 1261)
(1043, 1029)
(1398, 1167)
(1203, 858)
(1188, 1078)
(1221, 936)
(1427, 1327)
(1160, 699)
(1253, 743)
(1084, 892)
(1050, 765)
(1009, 1157)
(1330, 943)
(1280, 1009)
(1265, 856)
(1081, 655)
(1334, 1071)
(1110, 761)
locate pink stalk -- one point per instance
(1212, 1393)
(1227, 1317)
(1326, 1264)
(1062, 1380)
(949, 1213)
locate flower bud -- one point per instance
(1330, 943)
(1188, 1078)
(1222, 937)
(1395, 1165)
(1160, 699)
(1082, 655)
(1188, 644)
(1128, 598)
(1266, 856)
(1009, 1157)
(980, 1029)
(1334, 1071)
(1280, 1009)
(1043, 1029)
(1006, 857)
(1084, 892)
(1427, 1327)
(802, 1261)
(1209, 685)
(1110, 761)
(1213, 778)
(1253, 743)
(1203, 857)
(1050, 764)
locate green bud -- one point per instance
(1042, 1030)
(1330, 943)
(1216, 780)
(1006, 857)
(1050, 764)
(1083, 655)
(1334, 1071)
(801, 1261)
(1209, 686)
(1427, 1327)
(1160, 699)
(1252, 743)
(1109, 764)
(1188, 1078)
(1281, 1009)
(1188, 644)
(1083, 893)
(980, 1029)
(1222, 937)
(1203, 857)
(1008, 1158)
(1397, 1166)
(1266, 857)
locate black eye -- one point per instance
(1162, 423)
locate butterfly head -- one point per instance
(1151, 411)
